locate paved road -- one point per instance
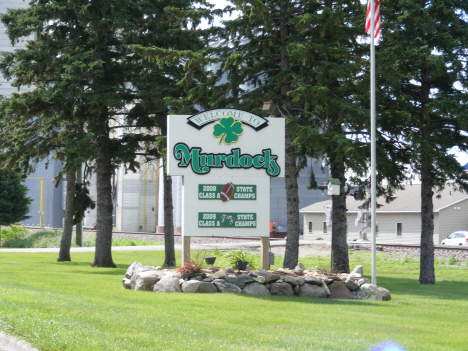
(11, 343)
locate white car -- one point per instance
(457, 238)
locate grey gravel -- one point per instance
(178, 239)
(400, 253)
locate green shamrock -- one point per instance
(228, 129)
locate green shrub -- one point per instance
(240, 255)
(11, 233)
(452, 261)
(405, 260)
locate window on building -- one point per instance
(325, 228)
(399, 229)
(310, 227)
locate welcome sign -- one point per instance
(226, 158)
(202, 119)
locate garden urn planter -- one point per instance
(210, 260)
(241, 265)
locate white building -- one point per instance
(398, 221)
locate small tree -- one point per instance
(14, 205)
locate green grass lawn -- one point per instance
(71, 306)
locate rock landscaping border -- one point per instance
(283, 282)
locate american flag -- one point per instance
(376, 19)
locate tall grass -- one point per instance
(22, 238)
(71, 306)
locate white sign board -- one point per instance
(227, 158)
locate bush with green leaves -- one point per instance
(242, 255)
(11, 233)
(452, 261)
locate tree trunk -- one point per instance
(339, 247)
(291, 254)
(426, 268)
(169, 252)
(65, 242)
(426, 265)
(103, 253)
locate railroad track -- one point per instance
(417, 247)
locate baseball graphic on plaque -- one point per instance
(227, 191)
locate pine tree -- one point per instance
(14, 203)
(421, 71)
(253, 49)
(86, 72)
(304, 57)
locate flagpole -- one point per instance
(373, 148)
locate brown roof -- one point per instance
(407, 200)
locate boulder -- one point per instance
(325, 287)
(300, 280)
(145, 280)
(229, 270)
(260, 279)
(351, 284)
(168, 283)
(272, 278)
(283, 289)
(298, 271)
(328, 281)
(243, 279)
(313, 280)
(344, 276)
(363, 281)
(296, 290)
(209, 278)
(368, 292)
(219, 274)
(240, 280)
(214, 269)
(290, 280)
(225, 287)
(195, 286)
(263, 272)
(133, 267)
(355, 276)
(359, 270)
(339, 290)
(255, 289)
(126, 283)
(253, 274)
(309, 290)
(300, 266)
(231, 278)
(385, 294)
(335, 277)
